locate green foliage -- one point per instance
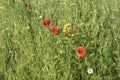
(29, 51)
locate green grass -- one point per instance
(28, 50)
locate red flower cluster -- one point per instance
(80, 51)
(46, 22)
(74, 29)
(54, 29)
(27, 5)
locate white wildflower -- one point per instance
(40, 16)
(10, 51)
(28, 27)
(2, 47)
(23, 77)
(90, 71)
(3, 30)
(4, 22)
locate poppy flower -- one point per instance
(54, 29)
(46, 22)
(27, 5)
(74, 29)
(80, 51)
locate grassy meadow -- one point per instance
(30, 51)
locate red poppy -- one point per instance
(80, 51)
(74, 29)
(46, 22)
(54, 29)
(27, 5)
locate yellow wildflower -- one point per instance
(61, 51)
(72, 35)
(64, 31)
(72, 4)
(2, 7)
(66, 28)
(64, 1)
(67, 25)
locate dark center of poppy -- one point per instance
(80, 51)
